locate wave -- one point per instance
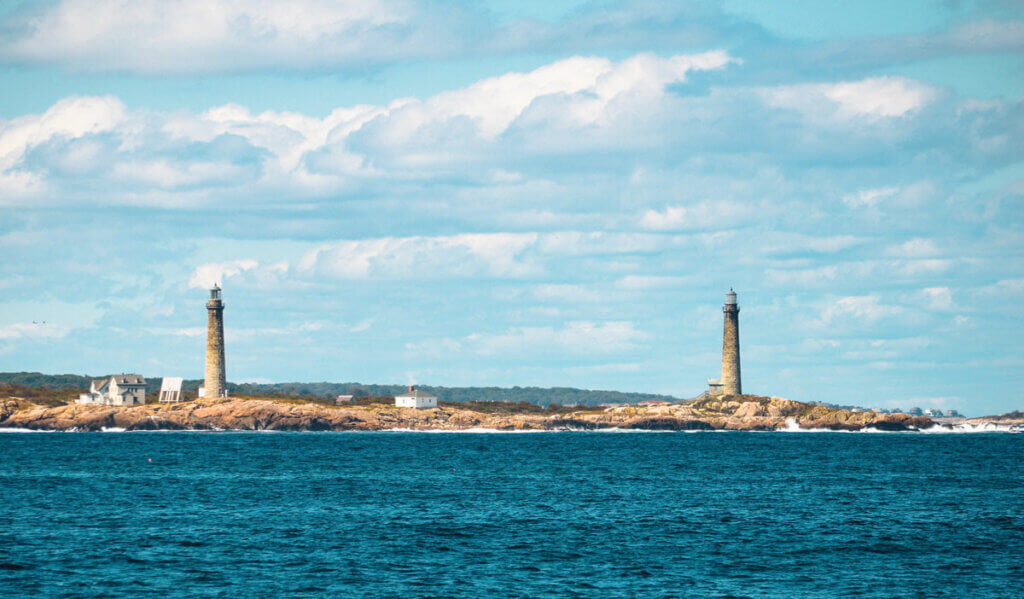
(464, 430)
(792, 426)
(964, 428)
(989, 427)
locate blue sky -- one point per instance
(520, 193)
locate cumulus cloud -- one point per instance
(493, 255)
(534, 112)
(938, 299)
(708, 214)
(69, 119)
(207, 275)
(1001, 291)
(872, 98)
(467, 255)
(915, 248)
(151, 158)
(157, 36)
(865, 308)
(575, 338)
(489, 137)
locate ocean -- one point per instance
(571, 514)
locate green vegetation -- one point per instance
(324, 401)
(39, 395)
(325, 392)
(522, 407)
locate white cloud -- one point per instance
(874, 98)
(924, 266)
(803, 277)
(775, 242)
(915, 248)
(467, 255)
(595, 97)
(164, 36)
(563, 292)
(206, 275)
(581, 243)
(869, 197)
(579, 338)
(31, 330)
(865, 308)
(1001, 290)
(939, 299)
(647, 282)
(180, 158)
(702, 215)
(70, 118)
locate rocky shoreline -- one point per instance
(738, 413)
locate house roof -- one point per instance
(417, 394)
(129, 379)
(100, 384)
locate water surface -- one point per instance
(569, 514)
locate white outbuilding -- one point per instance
(414, 398)
(170, 389)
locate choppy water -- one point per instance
(569, 514)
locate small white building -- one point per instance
(170, 389)
(118, 390)
(343, 399)
(414, 398)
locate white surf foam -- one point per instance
(793, 427)
(964, 428)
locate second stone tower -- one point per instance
(731, 384)
(216, 380)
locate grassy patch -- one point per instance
(322, 401)
(522, 407)
(42, 396)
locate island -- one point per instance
(729, 412)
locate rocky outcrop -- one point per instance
(744, 412)
(1015, 418)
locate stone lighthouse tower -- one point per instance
(216, 382)
(731, 384)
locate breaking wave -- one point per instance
(989, 427)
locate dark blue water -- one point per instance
(569, 514)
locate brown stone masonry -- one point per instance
(215, 373)
(731, 384)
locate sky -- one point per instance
(521, 193)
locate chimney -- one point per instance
(412, 388)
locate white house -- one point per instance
(118, 390)
(415, 398)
